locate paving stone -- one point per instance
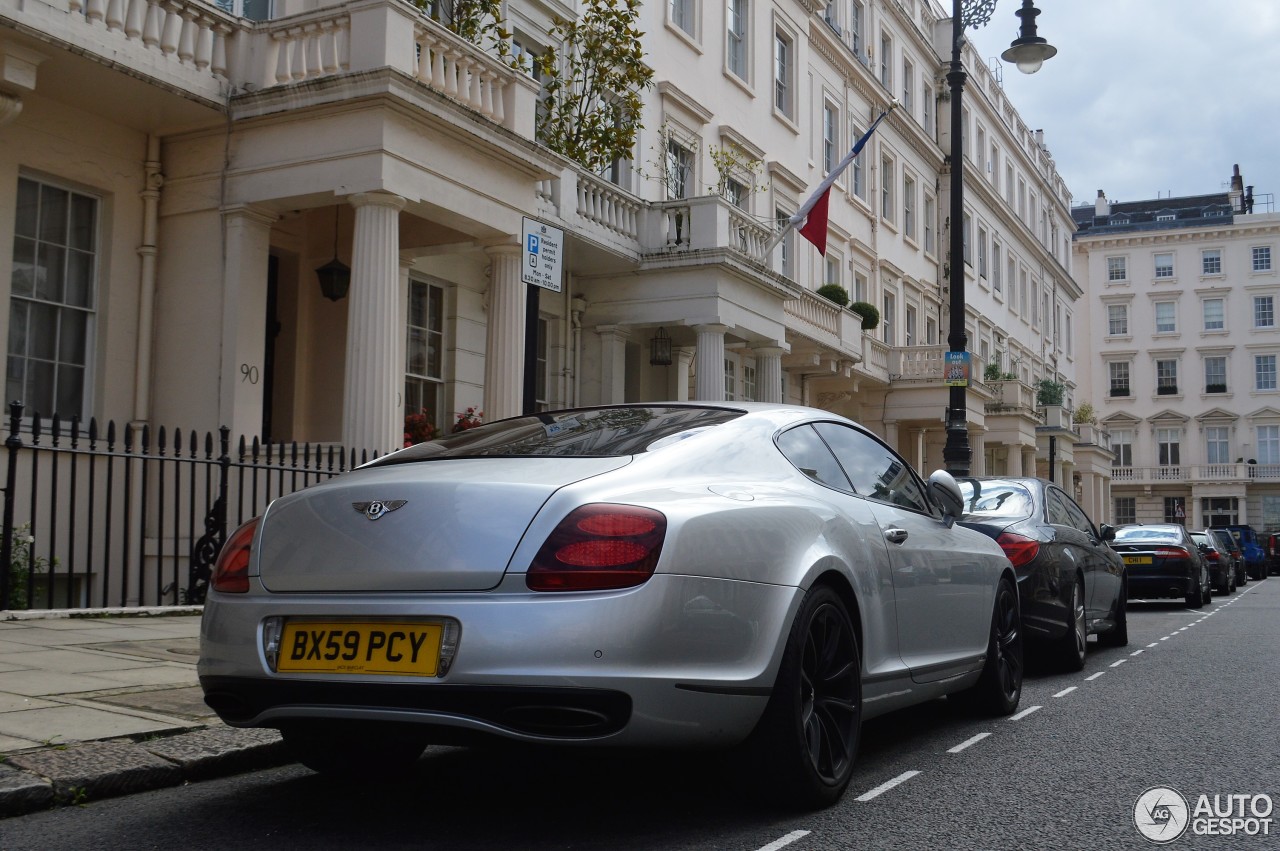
(22, 792)
(95, 770)
(218, 751)
(187, 701)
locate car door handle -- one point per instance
(895, 536)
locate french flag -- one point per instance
(811, 219)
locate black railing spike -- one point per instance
(160, 441)
(93, 433)
(294, 454)
(111, 435)
(243, 447)
(75, 432)
(146, 438)
(195, 444)
(128, 438)
(177, 443)
(36, 428)
(208, 446)
(56, 430)
(257, 449)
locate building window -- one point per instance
(787, 246)
(1222, 511)
(1122, 448)
(1166, 320)
(1264, 372)
(833, 270)
(730, 379)
(887, 319)
(739, 19)
(682, 15)
(1264, 311)
(967, 237)
(735, 192)
(1126, 510)
(1215, 374)
(1169, 447)
(886, 61)
(830, 138)
(997, 276)
(982, 252)
(1023, 290)
(859, 287)
(1268, 445)
(930, 331)
(1175, 509)
(1214, 317)
(926, 96)
(1117, 320)
(1167, 377)
(424, 352)
(748, 381)
(1118, 373)
(908, 206)
(886, 188)
(679, 169)
(52, 302)
(259, 10)
(909, 86)
(1211, 261)
(783, 73)
(1217, 448)
(856, 22)
(1117, 269)
(1262, 258)
(1164, 265)
(929, 213)
(859, 168)
(909, 318)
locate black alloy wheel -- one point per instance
(999, 688)
(1118, 635)
(808, 736)
(1074, 644)
(1195, 597)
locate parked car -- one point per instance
(1255, 557)
(1273, 554)
(656, 575)
(1071, 583)
(1228, 543)
(1222, 568)
(1163, 561)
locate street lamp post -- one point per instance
(1028, 51)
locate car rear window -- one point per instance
(995, 498)
(585, 432)
(1148, 533)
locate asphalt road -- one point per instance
(1192, 703)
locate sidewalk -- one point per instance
(109, 704)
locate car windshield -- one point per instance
(995, 498)
(584, 432)
(1160, 534)
(1201, 538)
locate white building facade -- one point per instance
(1185, 346)
(173, 174)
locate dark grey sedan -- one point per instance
(1070, 581)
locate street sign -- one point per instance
(956, 369)
(543, 254)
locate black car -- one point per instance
(1222, 566)
(1163, 561)
(1070, 581)
(1228, 542)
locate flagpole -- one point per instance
(794, 220)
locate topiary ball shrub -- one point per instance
(834, 292)
(870, 316)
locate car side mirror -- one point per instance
(945, 493)
(1108, 532)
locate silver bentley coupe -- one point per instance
(678, 575)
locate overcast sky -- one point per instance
(1148, 98)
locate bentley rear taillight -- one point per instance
(599, 547)
(1017, 548)
(231, 572)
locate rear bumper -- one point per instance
(1159, 585)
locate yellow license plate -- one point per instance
(1137, 559)
(405, 648)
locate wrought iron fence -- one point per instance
(131, 516)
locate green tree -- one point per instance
(592, 82)
(478, 21)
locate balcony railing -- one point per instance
(826, 322)
(1208, 473)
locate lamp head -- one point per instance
(1029, 51)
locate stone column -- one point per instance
(1028, 460)
(978, 441)
(1089, 488)
(244, 303)
(710, 363)
(683, 358)
(372, 403)
(613, 363)
(891, 434)
(504, 335)
(769, 374)
(1013, 461)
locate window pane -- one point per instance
(28, 206)
(70, 388)
(38, 390)
(417, 352)
(79, 279)
(18, 327)
(53, 215)
(43, 330)
(24, 266)
(49, 271)
(72, 337)
(83, 214)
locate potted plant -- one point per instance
(1084, 415)
(870, 316)
(470, 418)
(418, 428)
(1049, 392)
(834, 293)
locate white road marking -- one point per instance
(1024, 713)
(1136, 652)
(1153, 644)
(968, 742)
(1166, 638)
(786, 840)
(1118, 663)
(1094, 677)
(1066, 691)
(885, 787)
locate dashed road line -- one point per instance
(1066, 691)
(1094, 676)
(1153, 644)
(885, 787)
(1118, 663)
(967, 742)
(777, 844)
(1024, 713)
(1136, 652)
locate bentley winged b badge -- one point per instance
(377, 508)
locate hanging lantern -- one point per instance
(335, 276)
(660, 349)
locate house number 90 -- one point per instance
(248, 373)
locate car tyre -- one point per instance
(1195, 599)
(999, 688)
(352, 750)
(808, 737)
(1073, 646)
(1118, 635)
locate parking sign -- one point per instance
(543, 247)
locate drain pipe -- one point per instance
(147, 279)
(577, 305)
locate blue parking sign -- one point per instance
(533, 243)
